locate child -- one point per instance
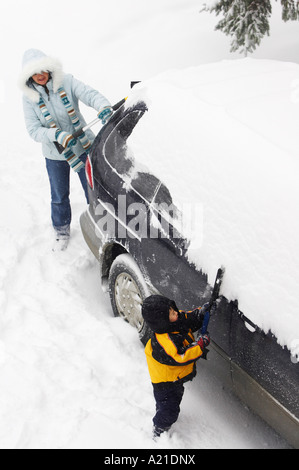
(171, 354)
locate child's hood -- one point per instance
(155, 311)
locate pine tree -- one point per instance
(247, 21)
(290, 10)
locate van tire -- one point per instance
(128, 290)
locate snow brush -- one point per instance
(211, 304)
(77, 134)
(95, 121)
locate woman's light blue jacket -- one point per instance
(35, 61)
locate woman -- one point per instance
(52, 115)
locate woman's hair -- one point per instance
(31, 82)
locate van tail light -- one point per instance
(89, 172)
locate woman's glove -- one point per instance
(65, 139)
(105, 114)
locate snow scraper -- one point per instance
(95, 121)
(213, 299)
(76, 134)
(210, 306)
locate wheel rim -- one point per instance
(128, 300)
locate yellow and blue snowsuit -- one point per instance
(171, 355)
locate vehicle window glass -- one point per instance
(121, 158)
(163, 204)
(145, 184)
(116, 150)
(163, 196)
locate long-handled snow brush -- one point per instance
(77, 134)
(209, 307)
(214, 296)
(95, 121)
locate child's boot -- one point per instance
(158, 431)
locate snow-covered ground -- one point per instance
(71, 375)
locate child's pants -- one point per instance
(168, 399)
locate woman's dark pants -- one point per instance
(59, 176)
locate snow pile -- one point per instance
(225, 136)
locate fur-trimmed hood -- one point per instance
(35, 61)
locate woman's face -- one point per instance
(41, 78)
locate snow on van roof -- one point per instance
(223, 137)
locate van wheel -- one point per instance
(127, 290)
